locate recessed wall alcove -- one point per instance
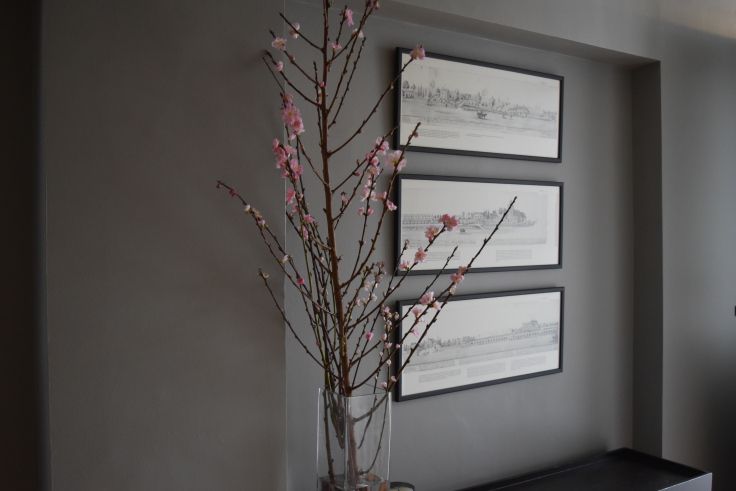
(610, 391)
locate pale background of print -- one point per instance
(482, 317)
(454, 197)
(518, 88)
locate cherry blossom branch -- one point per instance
(297, 28)
(373, 110)
(286, 79)
(264, 277)
(398, 163)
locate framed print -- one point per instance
(529, 238)
(473, 108)
(482, 340)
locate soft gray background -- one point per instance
(459, 439)
(166, 362)
(166, 372)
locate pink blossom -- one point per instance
(431, 232)
(309, 218)
(449, 221)
(294, 31)
(374, 170)
(300, 281)
(427, 298)
(388, 363)
(381, 146)
(382, 196)
(436, 305)
(290, 195)
(349, 17)
(344, 198)
(384, 385)
(390, 205)
(279, 43)
(417, 311)
(404, 266)
(305, 232)
(358, 33)
(420, 255)
(279, 65)
(292, 116)
(418, 52)
(369, 336)
(397, 159)
(365, 211)
(296, 169)
(335, 46)
(458, 277)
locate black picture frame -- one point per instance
(399, 239)
(398, 360)
(400, 139)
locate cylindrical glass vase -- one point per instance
(353, 444)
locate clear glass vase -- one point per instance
(353, 444)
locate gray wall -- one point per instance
(166, 368)
(455, 440)
(695, 43)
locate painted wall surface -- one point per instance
(695, 41)
(455, 440)
(166, 370)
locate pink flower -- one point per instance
(431, 232)
(335, 46)
(290, 195)
(369, 336)
(436, 305)
(427, 298)
(279, 66)
(292, 116)
(300, 281)
(344, 198)
(296, 169)
(390, 205)
(381, 146)
(279, 43)
(418, 52)
(294, 31)
(404, 266)
(397, 159)
(358, 33)
(393, 379)
(458, 277)
(384, 385)
(449, 221)
(420, 255)
(365, 211)
(309, 218)
(305, 232)
(349, 17)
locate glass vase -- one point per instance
(353, 444)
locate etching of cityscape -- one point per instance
(487, 339)
(469, 107)
(528, 236)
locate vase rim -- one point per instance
(360, 395)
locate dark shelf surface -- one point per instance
(614, 471)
